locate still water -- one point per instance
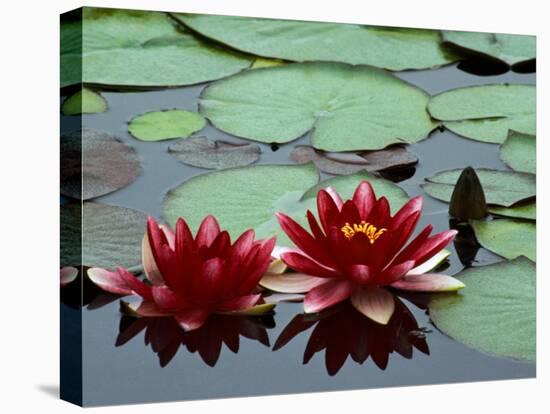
(310, 355)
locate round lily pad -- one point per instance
(161, 125)
(204, 153)
(300, 41)
(507, 237)
(346, 107)
(519, 152)
(508, 48)
(486, 113)
(495, 313)
(95, 163)
(100, 235)
(85, 101)
(139, 48)
(503, 188)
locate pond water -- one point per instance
(133, 372)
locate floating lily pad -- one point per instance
(346, 185)
(508, 48)
(204, 153)
(519, 152)
(139, 48)
(85, 101)
(95, 163)
(495, 313)
(351, 163)
(486, 113)
(503, 188)
(346, 107)
(101, 235)
(161, 125)
(507, 238)
(383, 47)
(266, 63)
(526, 211)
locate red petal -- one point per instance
(329, 293)
(328, 212)
(192, 319)
(220, 245)
(314, 226)
(109, 281)
(291, 283)
(208, 284)
(144, 308)
(239, 303)
(380, 213)
(360, 273)
(375, 303)
(257, 268)
(413, 206)
(167, 300)
(394, 272)
(364, 199)
(135, 285)
(433, 245)
(67, 274)
(428, 282)
(411, 248)
(304, 264)
(335, 197)
(208, 231)
(150, 268)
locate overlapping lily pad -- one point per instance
(101, 235)
(349, 163)
(486, 113)
(300, 41)
(346, 107)
(139, 48)
(503, 188)
(85, 101)
(204, 153)
(519, 152)
(511, 49)
(506, 237)
(248, 197)
(526, 210)
(95, 163)
(496, 312)
(161, 125)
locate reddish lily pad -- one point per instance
(95, 163)
(350, 163)
(204, 153)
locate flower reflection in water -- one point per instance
(343, 331)
(165, 335)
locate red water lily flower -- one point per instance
(191, 278)
(357, 249)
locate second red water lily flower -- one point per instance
(191, 278)
(357, 249)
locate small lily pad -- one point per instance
(503, 188)
(350, 163)
(495, 313)
(85, 101)
(204, 153)
(486, 113)
(511, 49)
(95, 163)
(384, 47)
(100, 235)
(527, 211)
(507, 238)
(519, 152)
(161, 125)
(345, 107)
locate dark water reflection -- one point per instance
(204, 365)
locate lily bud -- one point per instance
(468, 199)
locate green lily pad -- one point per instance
(139, 48)
(527, 211)
(101, 235)
(346, 185)
(383, 47)
(96, 163)
(507, 237)
(161, 125)
(502, 188)
(204, 153)
(486, 113)
(346, 107)
(85, 101)
(508, 48)
(495, 313)
(519, 152)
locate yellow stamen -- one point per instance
(367, 229)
